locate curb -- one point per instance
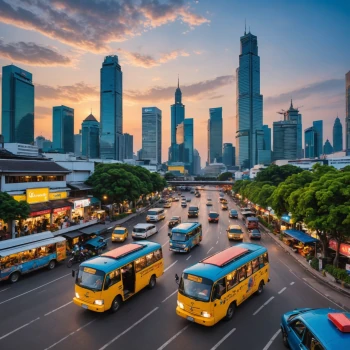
(312, 271)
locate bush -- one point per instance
(314, 263)
(339, 274)
(347, 280)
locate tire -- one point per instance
(52, 265)
(116, 304)
(152, 282)
(260, 288)
(285, 339)
(230, 311)
(70, 263)
(14, 277)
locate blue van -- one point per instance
(185, 236)
(317, 329)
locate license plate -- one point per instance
(84, 306)
(190, 318)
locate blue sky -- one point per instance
(303, 46)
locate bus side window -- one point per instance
(150, 259)
(158, 254)
(266, 258)
(261, 261)
(231, 280)
(242, 273)
(114, 277)
(249, 269)
(140, 264)
(256, 266)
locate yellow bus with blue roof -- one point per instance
(185, 236)
(104, 282)
(210, 290)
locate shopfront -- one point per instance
(80, 210)
(344, 251)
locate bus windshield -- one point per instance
(180, 237)
(90, 278)
(196, 288)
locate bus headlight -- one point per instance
(242, 236)
(180, 305)
(205, 314)
(99, 302)
(77, 295)
(170, 243)
(184, 246)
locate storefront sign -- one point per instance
(41, 212)
(344, 248)
(37, 195)
(82, 203)
(57, 195)
(20, 197)
(57, 210)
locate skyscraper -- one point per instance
(196, 162)
(311, 142)
(184, 142)
(77, 144)
(228, 154)
(177, 117)
(347, 113)
(327, 148)
(17, 105)
(265, 155)
(318, 127)
(63, 128)
(152, 134)
(337, 135)
(249, 104)
(215, 135)
(285, 136)
(128, 146)
(90, 143)
(111, 108)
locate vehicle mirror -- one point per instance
(169, 234)
(73, 273)
(217, 292)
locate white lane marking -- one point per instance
(217, 242)
(282, 290)
(128, 329)
(42, 291)
(162, 227)
(165, 243)
(169, 296)
(170, 266)
(52, 311)
(189, 257)
(291, 283)
(262, 306)
(70, 334)
(172, 338)
(4, 290)
(17, 329)
(32, 290)
(223, 339)
(272, 339)
(210, 249)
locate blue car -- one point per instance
(318, 329)
(96, 244)
(233, 214)
(255, 234)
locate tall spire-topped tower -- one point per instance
(178, 93)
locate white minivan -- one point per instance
(155, 214)
(143, 231)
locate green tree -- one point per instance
(169, 176)
(275, 174)
(10, 209)
(158, 182)
(225, 176)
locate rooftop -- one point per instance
(28, 166)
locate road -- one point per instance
(38, 313)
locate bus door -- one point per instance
(113, 286)
(128, 279)
(219, 299)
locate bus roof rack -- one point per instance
(125, 250)
(226, 256)
(340, 321)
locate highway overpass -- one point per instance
(198, 182)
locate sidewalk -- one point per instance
(329, 280)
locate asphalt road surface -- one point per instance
(38, 313)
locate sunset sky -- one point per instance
(304, 48)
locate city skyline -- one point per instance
(66, 69)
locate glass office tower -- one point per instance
(311, 142)
(63, 129)
(90, 143)
(337, 136)
(17, 105)
(327, 148)
(249, 119)
(347, 113)
(152, 134)
(228, 156)
(215, 135)
(285, 140)
(188, 144)
(318, 127)
(111, 109)
(128, 146)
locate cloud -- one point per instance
(76, 93)
(33, 54)
(158, 93)
(92, 25)
(198, 52)
(147, 61)
(42, 112)
(318, 88)
(156, 78)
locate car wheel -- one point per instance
(51, 265)
(230, 312)
(152, 282)
(116, 303)
(260, 288)
(285, 339)
(14, 277)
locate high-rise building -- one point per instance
(285, 135)
(196, 162)
(152, 134)
(111, 109)
(265, 155)
(17, 105)
(90, 142)
(249, 119)
(128, 146)
(228, 154)
(63, 128)
(215, 135)
(318, 127)
(327, 148)
(311, 142)
(347, 113)
(177, 117)
(184, 142)
(77, 144)
(337, 135)
(39, 141)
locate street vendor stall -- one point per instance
(300, 242)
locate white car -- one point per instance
(143, 231)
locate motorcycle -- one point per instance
(77, 258)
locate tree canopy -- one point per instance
(10, 209)
(275, 174)
(225, 176)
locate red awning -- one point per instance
(344, 248)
